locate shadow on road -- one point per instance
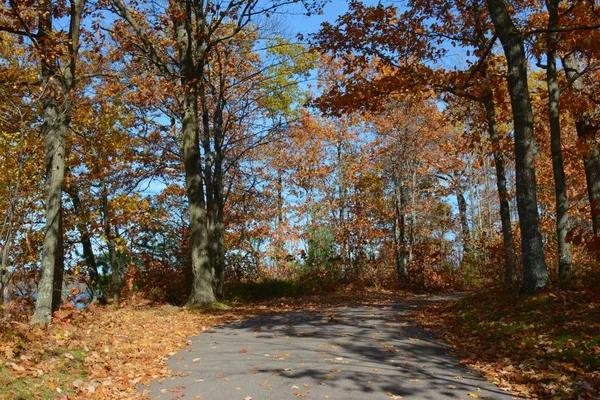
(367, 352)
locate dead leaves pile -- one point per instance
(100, 353)
(543, 346)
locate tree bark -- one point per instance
(413, 215)
(510, 270)
(586, 133)
(464, 222)
(560, 189)
(218, 191)
(202, 286)
(535, 272)
(400, 229)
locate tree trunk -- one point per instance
(4, 275)
(218, 229)
(59, 83)
(400, 230)
(464, 223)
(413, 215)
(98, 294)
(218, 189)
(55, 130)
(510, 274)
(586, 133)
(560, 189)
(535, 272)
(202, 287)
(113, 253)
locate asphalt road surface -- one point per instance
(354, 353)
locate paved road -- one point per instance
(360, 353)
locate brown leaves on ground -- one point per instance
(101, 353)
(542, 346)
(105, 353)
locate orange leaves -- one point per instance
(115, 352)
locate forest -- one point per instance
(197, 161)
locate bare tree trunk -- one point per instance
(510, 276)
(586, 133)
(535, 272)
(560, 189)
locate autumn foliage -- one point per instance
(177, 152)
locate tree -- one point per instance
(535, 272)
(57, 52)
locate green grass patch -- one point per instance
(55, 373)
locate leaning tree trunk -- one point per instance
(510, 274)
(535, 272)
(586, 133)
(560, 188)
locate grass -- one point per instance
(546, 345)
(55, 376)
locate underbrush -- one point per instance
(269, 289)
(546, 345)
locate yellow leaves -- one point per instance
(473, 395)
